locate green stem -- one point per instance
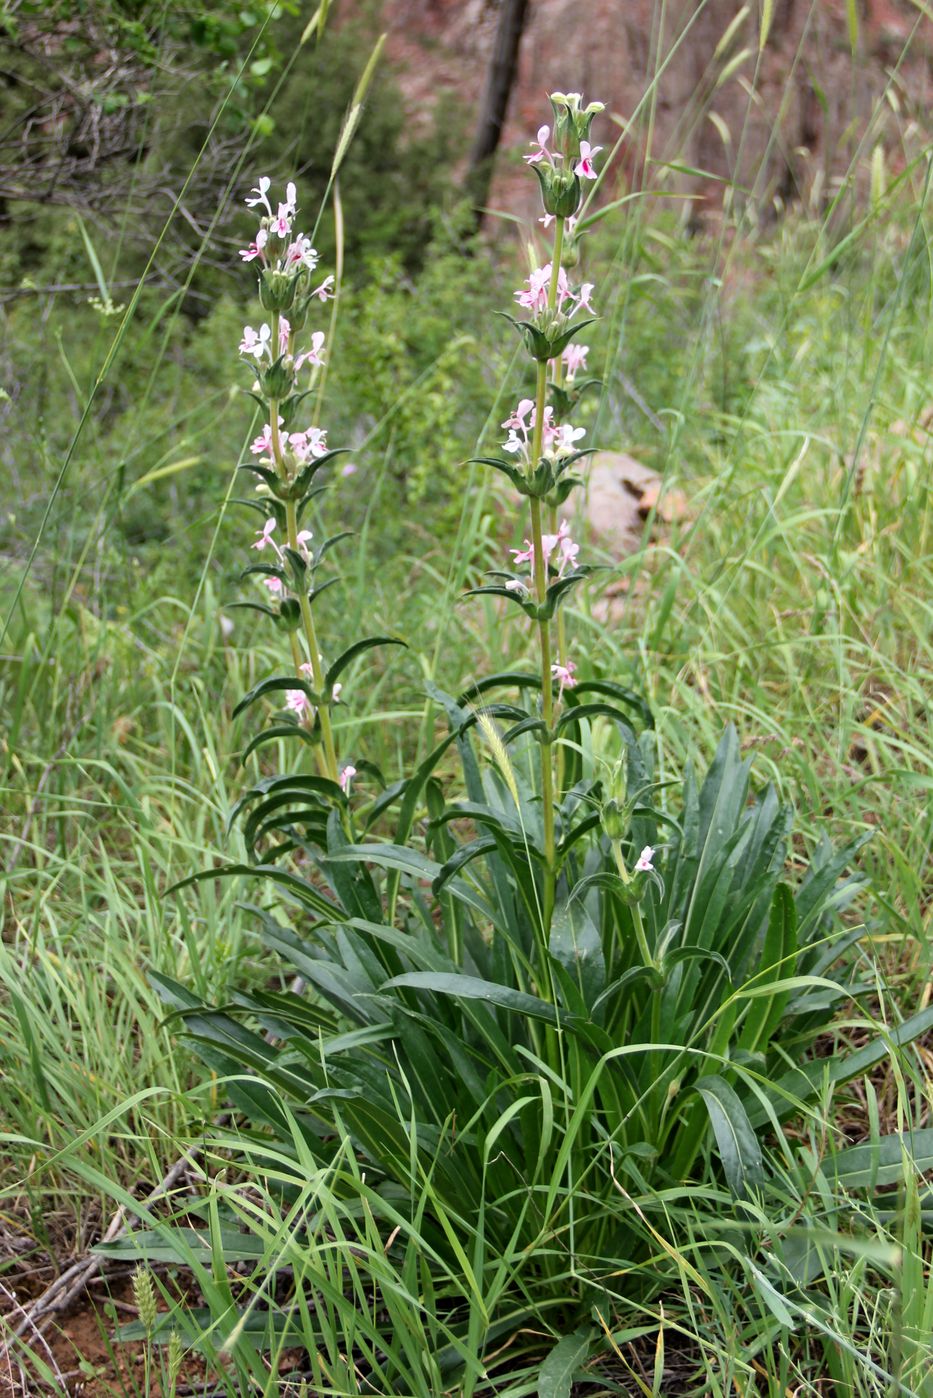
(637, 920)
(547, 697)
(307, 618)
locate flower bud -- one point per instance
(289, 617)
(278, 380)
(570, 253)
(614, 820)
(560, 190)
(616, 811)
(572, 122)
(277, 289)
(561, 106)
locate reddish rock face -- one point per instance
(785, 123)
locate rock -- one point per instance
(669, 506)
(615, 486)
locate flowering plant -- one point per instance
(288, 461)
(549, 987)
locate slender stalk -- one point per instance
(547, 697)
(637, 921)
(540, 579)
(327, 732)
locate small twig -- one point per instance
(70, 1283)
(26, 1324)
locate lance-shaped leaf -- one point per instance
(528, 724)
(306, 499)
(253, 607)
(564, 463)
(562, 490)
(559, 589)
(297, 566)
(265, 570)
(300, 889)
(295, 785)
(464, 855)
(275, 684)
(358, 648)
(511, 594)
(331, 542)
(265, 475)
(618, 691)
(472, 988)
(576, 712)
(263, 507)
(508, 468)
(306, 475)
(314, 592)
(540, 345)
(517, 679)
(738, 1145)
(279, 730)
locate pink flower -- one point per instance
(569, 552)
(281, 225)
(298, 702)
(262, 445)
(583, 297)
(255, 248)
(301, 253)
(542, 151)
(312, 442)
(325, 291)
(260, 192)
(346, 776)
(565, 547)
(574, 358)
(584, 166)
(517, 424)
(350, 469)
(285, 331)
(312, 355)
(274, 585)
(253, 342)
(534, 295)
(565, 675)
(517, 419)
(525, 554)
(303, 539)
(643, 862)
(264, 536)
(559, 441)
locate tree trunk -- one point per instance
(496, 92)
